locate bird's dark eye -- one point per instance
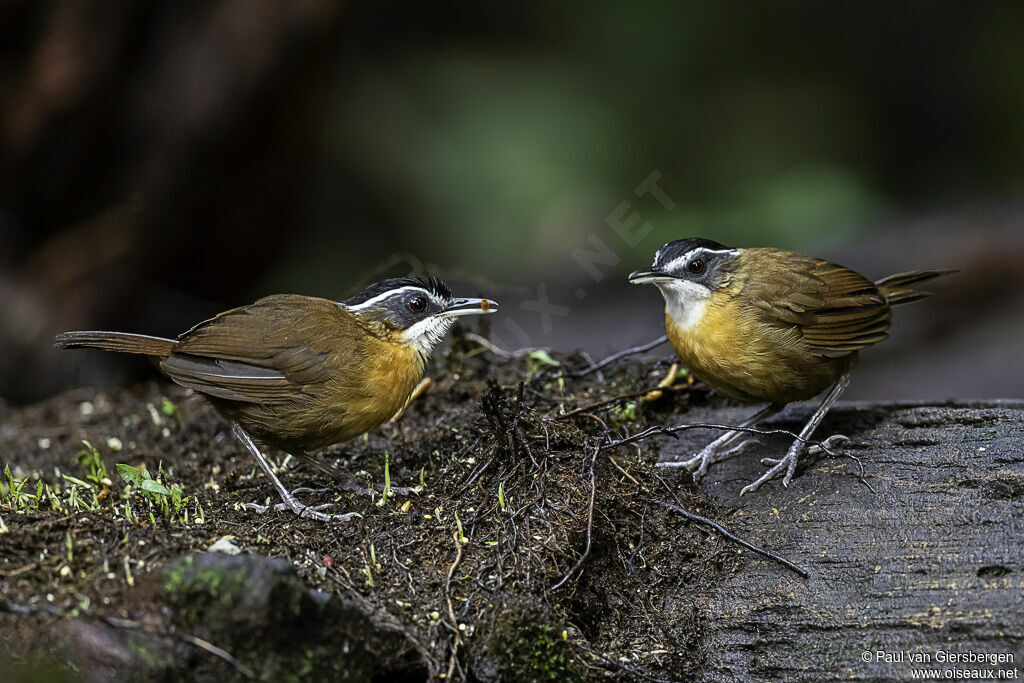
(696, 266)
(417, 304)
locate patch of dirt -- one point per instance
(485, 574)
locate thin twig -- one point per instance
(861, 478)
(586, 356)
(498, 351)
(657, 429)
(600, 404)
(195, 641)
(474, 475)
(732, 537)
(384, 619)
(621, 354)
(599, 421)
(624, 472)
(21, 570)
(451, 609)
(621, 666)
(590, 525)
(219, 652)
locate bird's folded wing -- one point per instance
(271, 351)
(836, 310)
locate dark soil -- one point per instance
(490, 573)
(494, 459)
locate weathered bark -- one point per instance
(931, 560)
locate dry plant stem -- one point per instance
(219, 652)
(600, 404)
(732, 537)
(621, 354)
(590, 361)
(590, 524)
(451, 609)
(498, 351)
(624, 472)
(619, 666)
(388, 621)
(195, 641)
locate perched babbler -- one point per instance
(300, 373)
(767, 325)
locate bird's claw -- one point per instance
(829, 443)
(788, 462)
(303, 510)
(706, 460)
(698, 465)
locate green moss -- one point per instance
(262, 614)
(153, 661)
(535, 651)
(205, 594)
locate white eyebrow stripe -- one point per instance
(387, 295)
(681, 260)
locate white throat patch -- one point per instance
(428, 333)
(685, 301)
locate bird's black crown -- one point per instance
(677, 248)
(430, 283)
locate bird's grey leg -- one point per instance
(289, 501)
(800, 445)
(719, 449)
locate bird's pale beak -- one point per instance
(470, 307)
(649, 277)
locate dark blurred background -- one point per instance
(163, 160)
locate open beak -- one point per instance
(470, 307)
(649, 277)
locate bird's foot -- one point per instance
(290, 502)
(787, 462)
(353, 485)
(698, 465)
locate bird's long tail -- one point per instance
(899, 288)
(122, 342)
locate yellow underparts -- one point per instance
(731, 348)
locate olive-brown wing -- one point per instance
(272, 351)
(837, 311)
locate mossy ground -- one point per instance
(466, 570)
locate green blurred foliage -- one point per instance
(788, 124)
